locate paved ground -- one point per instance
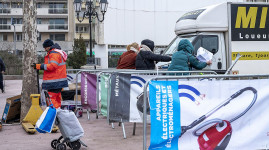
(98, 134)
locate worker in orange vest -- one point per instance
(54, 77)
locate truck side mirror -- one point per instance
(214, 51)
(161, 52)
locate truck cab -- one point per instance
(227, 29)
(212, 41)
(203, 29)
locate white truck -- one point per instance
(227, 29)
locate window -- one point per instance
(4, 5)
(3, 20)
(18, 37)
(17, 20)
(57, 5)
(3, 24)
(57, 21)
(39, 36)
(57, 24)
(3, 37)
(57, 37)
(38, 5)
(81, 29)
(209, 42)
(39, 21)
(58, 8)
(16, 5)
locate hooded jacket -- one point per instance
(54, 69)
(183, 60)
(145, 59)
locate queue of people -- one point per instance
(142, 57)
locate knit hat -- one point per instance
(148, 43)
(48, 43)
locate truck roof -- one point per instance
(210, 18)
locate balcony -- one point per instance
(58, 27)
(52, 13)
(58, 10)
(85, 21)
(4, 11)
(5, 26)
(86, 36)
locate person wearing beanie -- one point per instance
(54, 77)
(127, 59)
(146, 59)
(183, 60)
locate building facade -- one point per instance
(55, 20)
(126, 21)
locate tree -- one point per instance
(78, 58)
(29, 55)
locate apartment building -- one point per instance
(55, 20)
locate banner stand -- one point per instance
(136, 72)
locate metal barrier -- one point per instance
(137, 72)
(217, 77)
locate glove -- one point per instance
(36, 66)
(33, 65)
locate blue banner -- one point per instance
(165, 115)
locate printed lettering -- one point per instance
(246, 19)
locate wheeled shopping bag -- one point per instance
(70, 129)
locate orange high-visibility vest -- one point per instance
(54, 71)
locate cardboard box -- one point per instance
(72, 86)
(12, 109)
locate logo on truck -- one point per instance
(249, 22)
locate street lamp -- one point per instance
(90, 13)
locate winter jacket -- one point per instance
(127, 60)
(183, 57)
(145, 59)
(2, 66)
(54, 70)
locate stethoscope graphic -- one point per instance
(184, 129)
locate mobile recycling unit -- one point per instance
(227, 29)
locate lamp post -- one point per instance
(90, 13)
(14, 35)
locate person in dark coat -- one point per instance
(127, 59)
(183, 60)
(145, 59)
(2, 70)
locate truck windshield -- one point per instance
(172, 47)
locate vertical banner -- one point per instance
(104, 94)
(88, 90)
(165, 115)
(136, 97)
(119, 108)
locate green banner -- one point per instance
(104, 93)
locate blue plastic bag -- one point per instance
(46, 121)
